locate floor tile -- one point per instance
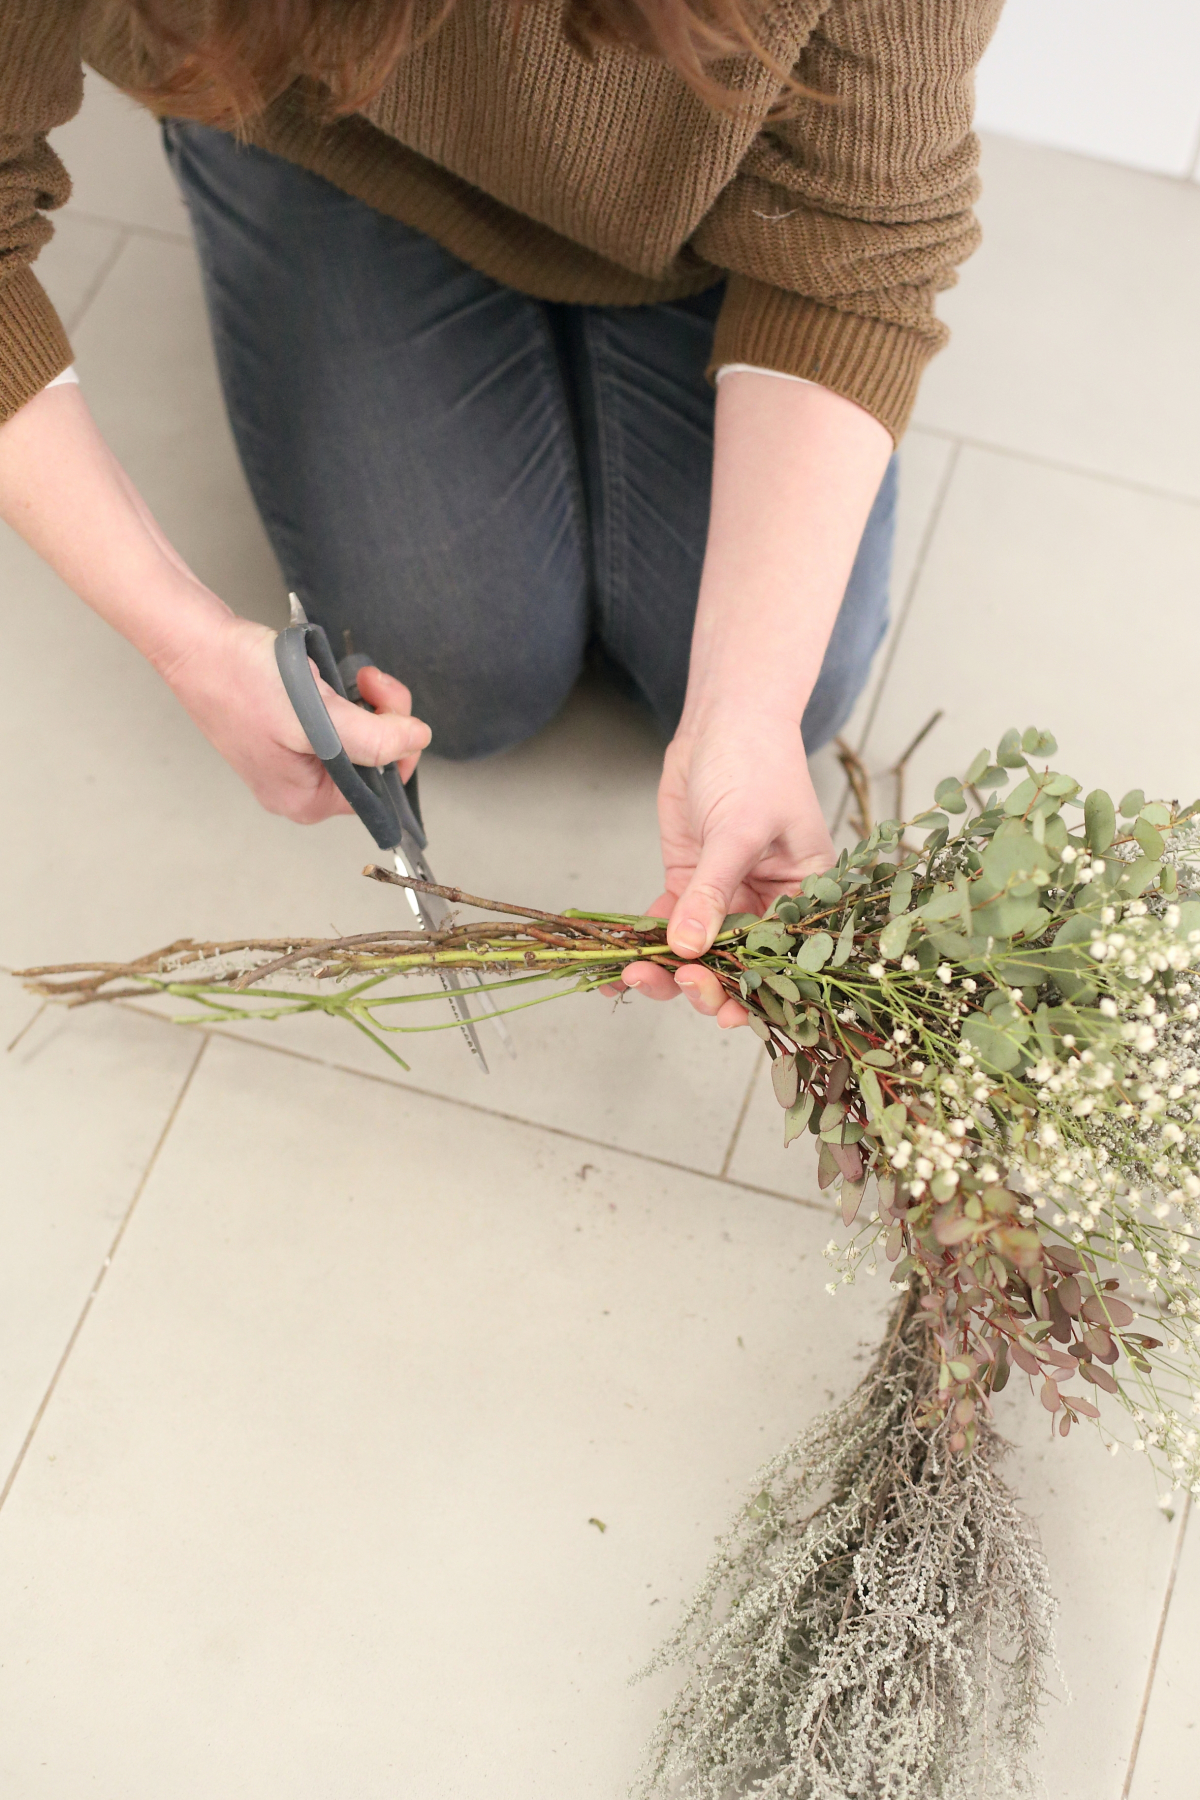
(310, 1511)
(1073, 326)
(759, 1158)
(1054, 599)
(157, 839)
(146, 364)
(1167, 1755)
(83, 1100)
(112, 153)
(73, 263)
(1109, 1549)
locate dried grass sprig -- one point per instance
(878, 1621)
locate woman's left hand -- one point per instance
(740, 824)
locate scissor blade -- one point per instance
(431, 910)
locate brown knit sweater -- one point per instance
(605, 181)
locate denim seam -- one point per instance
(611, 555)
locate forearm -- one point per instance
(796, 469)
(64, 492)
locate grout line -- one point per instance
(741, 1118)
(1060, 467)
(889, 656)
(1152, 1669)
(27, 1026)
(146, 231)
(103, 1271)
(110, 262)
(910, 593)
(487, 1112)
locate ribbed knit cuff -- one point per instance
(873, 363)
(33, 344)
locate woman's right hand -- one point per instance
(229, 683)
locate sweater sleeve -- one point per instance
(850, 212)
(41, 86)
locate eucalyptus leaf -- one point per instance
(946, 905)
(1009, 915)
(823, 888)
(872, 1093)
(1149, 839)
(1156, 813)
(949, 794)
(770, 937)
(1137, 875)
(978, 767)
(1038, 743)
(796, 1117)
(1132, 804)
(995, 1048)
(844, 948)
(814, 952)
(785, 1079)
(1008, 751)
(901, 892)
(1099, 821)
(893, 939)
(1022, 797)
(787, 990)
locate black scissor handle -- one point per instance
(377, 795)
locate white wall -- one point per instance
(1119, 79)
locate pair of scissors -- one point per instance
(388, 807)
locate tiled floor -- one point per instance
(315, 1377)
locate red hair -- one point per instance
(250, 51)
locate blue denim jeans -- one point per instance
(474, 485)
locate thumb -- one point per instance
(698, 914)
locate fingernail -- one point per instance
(689, 937)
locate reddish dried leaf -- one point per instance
(785, 1079)
(1101, 1377)
(1081, 1406)
(1064, 1259)
(1069, 1296)
(852, 1193)
(1021, 1245)
(951, 1229)
(1051, 1398)
(1100, 1343)
(895, 1242)
(847, 1159)
(1064, 1425)
(1025, 1359)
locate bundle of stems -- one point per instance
(992, 1037)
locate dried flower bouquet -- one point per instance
(993, 1039)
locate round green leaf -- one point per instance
(1099, 821)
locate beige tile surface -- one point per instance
(309, 1513)
(1073, 326)
(83, 1101)
(1053, 599)
(146, 363)
(154, 838)
(1109, 1549)
(1168, 1754)
(117, 168)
